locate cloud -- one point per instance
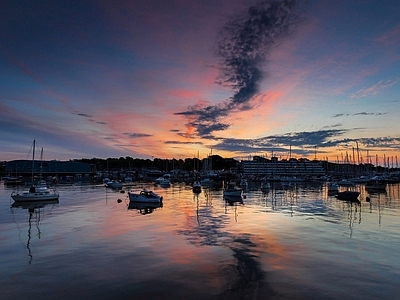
(321, 138)
(85, 115)
(388, 142)
(304, 143)
(137, 135)
(243, 46)
(338, 115)
(374, 89)
(182, 143)
(368, 114)
(359, 114)
(390, 38)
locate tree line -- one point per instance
(187, 164)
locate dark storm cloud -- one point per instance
(137, 135)
(243, 46)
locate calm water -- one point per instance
(286, 244)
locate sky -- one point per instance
(188, 78)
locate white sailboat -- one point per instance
(34, 193)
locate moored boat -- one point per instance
(348, 195)
(165, 183)
(206, 182)
(232, 189)
(13, 181)
(196, 187)
(35, 195)
(345, 182)
(144, 196)
(43, 193)
(361, 179)
(375, 186)
(114, 184)
(265, 185)
(332, 187)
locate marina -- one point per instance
(230, 149)
(295, 242)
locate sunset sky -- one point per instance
(171, 79)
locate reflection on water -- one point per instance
(143, 207)
(35, 211)
(283, 242)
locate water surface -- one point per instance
(298, 243)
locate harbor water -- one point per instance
(293, 243)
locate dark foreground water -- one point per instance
(286, 244)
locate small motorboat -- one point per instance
(348, 195)
(144, 196)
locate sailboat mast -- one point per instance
(33, 158)
(41, 164)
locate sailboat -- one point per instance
(34, 193)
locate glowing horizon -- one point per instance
(147, 79)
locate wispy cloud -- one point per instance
(368, 114)
(390, 38)
(376, 88)
(136, 135)
(243, 47)
(182, 143)
(85, 115)
(363, 113)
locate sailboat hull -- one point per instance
(38, 196)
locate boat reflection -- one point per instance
(35, 209)
(32, 206)
(233, 200)
(144, 208)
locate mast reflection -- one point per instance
(35, 209)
